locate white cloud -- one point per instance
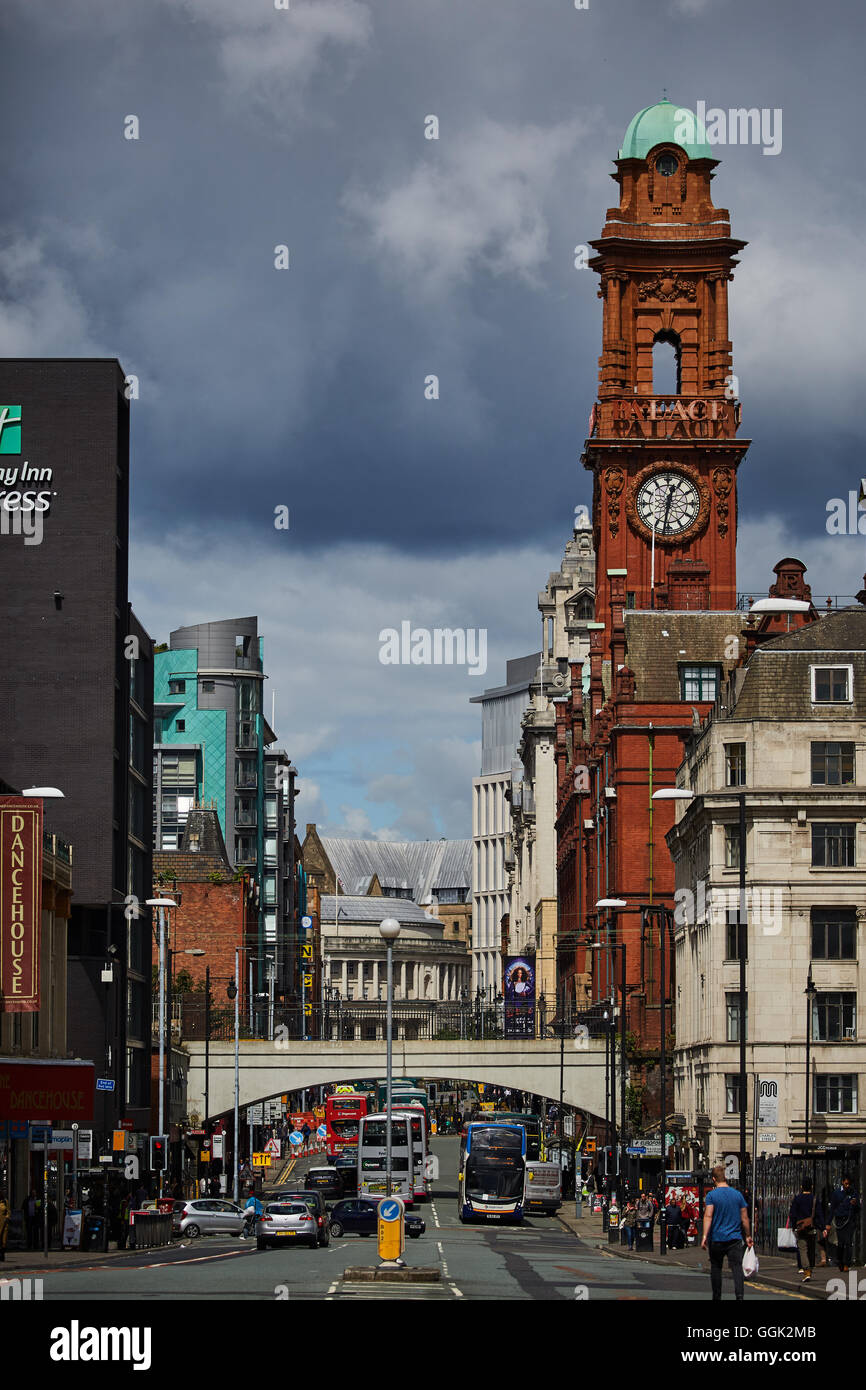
(271, 55)
(475, 200)
(41, 313)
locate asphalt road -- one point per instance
(539, 1260)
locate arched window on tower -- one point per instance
(666, 364)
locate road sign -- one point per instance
(273, 1147)
(589, 1146)
(104, 1083)
(262, 1160)
(636, 1152)
(307, 950)
(306, 923)
(218, 1145)
(296, 1137)
(392, 1228)
(322, 1131)
(255, 1114)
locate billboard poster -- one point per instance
(20, 903)
(52, 1091)
(519, 996)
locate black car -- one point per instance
(325, 1180)
(316, 1202)
(358, 1215)
(346, 1164)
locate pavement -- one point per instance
(775, 1271)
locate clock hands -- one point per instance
(670, 498)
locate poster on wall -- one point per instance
(519, 996)
(20, 903)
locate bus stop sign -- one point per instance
(392, 1228)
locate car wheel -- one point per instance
(336, 1229)
(261, 1244)
(193, 1231)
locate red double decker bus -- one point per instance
(342, 1116)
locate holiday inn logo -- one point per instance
(10, 429)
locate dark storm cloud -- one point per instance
(411, 257)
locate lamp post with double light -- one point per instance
(389, 930)
(162, 905)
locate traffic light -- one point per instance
(158, 1153)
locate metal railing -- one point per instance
(361, 1020)
(778, 1179)
(745, 601)
(53, 844)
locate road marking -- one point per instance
(442, 1258)
(435, 1213)
(456, 1292)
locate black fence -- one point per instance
(778, 1178)
(347, 1020)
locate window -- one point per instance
(834, 933)
(207, 687)
(732, 1011)
(832, 764)
(735, 764)
(177, 687)
(834, 1016)
(699, 682)
(835, 1094)
(630, 599)
(733, 935)
(666, 364)
(351, 970)
(732, 1093)
(180, 725)
(410, 975)
(732, 846)
(832, 684)
(832, 845)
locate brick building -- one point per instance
(664, 451)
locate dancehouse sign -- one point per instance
(20, 903)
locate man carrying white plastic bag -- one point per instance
(726, 1222)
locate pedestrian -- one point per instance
(306, 1131)
(629, 1222)
(30, 1210)
(726, 1218)
(806, 1216)
(4, 1223)
(844, 1205)
(123, 1220)
(646, 1214)
(675, 1228)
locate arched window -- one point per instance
(666, 364)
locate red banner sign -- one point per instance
(20, 903)
(55, 1092)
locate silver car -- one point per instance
(287, 1223)
(205, 1216)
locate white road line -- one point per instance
(442, 1258)
(456, 1292)
(435, 1214)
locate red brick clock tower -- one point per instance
(665, 465)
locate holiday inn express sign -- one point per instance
(20, 903)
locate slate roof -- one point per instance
(693, 639)
(419, 866)
(776, 684)
(374, 910)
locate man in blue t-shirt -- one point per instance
(726, 1219)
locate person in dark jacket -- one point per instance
(675, 1225)
(844, 1206)
(806, 1218)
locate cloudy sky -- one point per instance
(303, 388)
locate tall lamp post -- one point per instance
(613, 905)
(233, 992)
(161, 904)
(665, 920)
(810, 991)
(389, 930)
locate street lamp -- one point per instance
(233, 992)
(161, 904)
(44, 792)
(810, 991)
(389, 930)
(619, 905)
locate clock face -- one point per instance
(668, 503)
(666, 164)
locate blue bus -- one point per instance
(492, 1175)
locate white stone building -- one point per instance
(790, 737)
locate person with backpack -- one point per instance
(806, 1218)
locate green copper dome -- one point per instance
(665, 124)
